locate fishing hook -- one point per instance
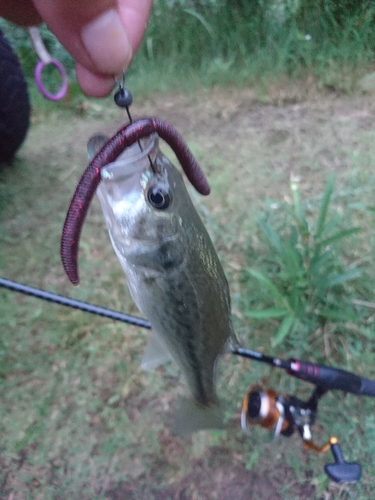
(90, 180)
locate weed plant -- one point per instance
(306, 279)
(190, 42)
(78, 416)
(222, 42)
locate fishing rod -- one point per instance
(326, 377)
(265, 407)
(75, 304)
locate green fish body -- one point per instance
(173, 272)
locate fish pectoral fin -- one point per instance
(95, 144)
(156, 353)
(191, 417)
(231, 344)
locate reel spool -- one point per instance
(267, 409)
(285, 414)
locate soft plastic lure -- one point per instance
(87, 186)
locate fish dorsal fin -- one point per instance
(95, 144)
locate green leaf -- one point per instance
(342, 278)
(318, 262)
(292, 260)
(331, 225)
(361, 206)
(367, 332)
(324, 207)
(337, 315)
(200, 18)
(279, 297)
(287, 254)
(271, 235)
(340, 236)
(113, 399)
(321, 483)
(284, 329)
(271, 312)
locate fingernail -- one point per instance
(106, 41)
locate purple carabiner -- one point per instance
(60, 94)
(45, 59)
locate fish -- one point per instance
(173, 273)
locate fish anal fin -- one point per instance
(156, 353)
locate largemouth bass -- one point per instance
(173, 272)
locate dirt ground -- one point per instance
(249, 146)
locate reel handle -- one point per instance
(341, 471)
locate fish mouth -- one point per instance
(133, 159)
(126, 137)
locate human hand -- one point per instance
(101, 35)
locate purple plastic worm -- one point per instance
(87, 186)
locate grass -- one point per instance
(79, 418)
(308, 287)
(189, 44)
(252, 41)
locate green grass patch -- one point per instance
(78, 417)
(305, 282)
(192, 43)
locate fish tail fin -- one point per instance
(191, 417)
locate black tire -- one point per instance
(14, 102)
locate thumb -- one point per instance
(101, 35)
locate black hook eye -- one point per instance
(158, 198)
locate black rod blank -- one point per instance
(328, 378)
(75, 304)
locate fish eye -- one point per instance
(158, 198)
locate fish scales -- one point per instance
(188, 319)
(173, 272)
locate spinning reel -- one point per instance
(285, 414)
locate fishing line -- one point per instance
(124, 98)
(289, 413)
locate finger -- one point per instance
(135, 14)
(21, 12)
(95, 32)
(92, 84)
